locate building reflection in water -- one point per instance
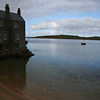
(13, 74)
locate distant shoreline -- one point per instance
(66, 37)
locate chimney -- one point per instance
(19, 12)
(7, 9)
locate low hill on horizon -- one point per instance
(67, 37)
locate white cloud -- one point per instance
(78, 26)
(37, 8)
(44, 25)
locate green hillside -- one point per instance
(67, 37)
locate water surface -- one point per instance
(60, 70)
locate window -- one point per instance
(16, 25)
(6, 47)
(1, 23)
(4, 35)
(0, 36)
(17, 46)
(17, 37)
(1, 46)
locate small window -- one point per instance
(16, 25)
(4, 35)
(6, 47)
(17, 37)
(0, 37)
(1, 23)
(1, 46)
(17, 46)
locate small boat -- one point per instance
(83, 43)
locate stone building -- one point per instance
(12, 34)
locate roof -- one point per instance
(13, 16)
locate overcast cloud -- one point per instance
(75, 26)
(38, 8)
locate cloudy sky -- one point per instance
(50, 17)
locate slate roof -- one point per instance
(13, 16)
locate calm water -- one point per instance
(60, 70)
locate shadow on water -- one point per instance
(13, 74)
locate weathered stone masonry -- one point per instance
(12, 34)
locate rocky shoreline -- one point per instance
(18, 54)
